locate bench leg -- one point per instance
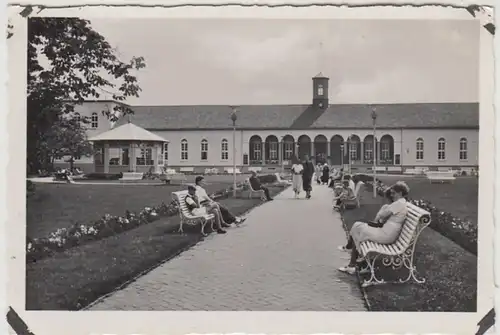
(203, 224)
(181, 230)
(373, 279)
(408, 258)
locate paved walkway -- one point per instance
(284, 257)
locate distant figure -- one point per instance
(297, 170)
(317, 172)
(325, 174)
(307, 176)
(256, 185)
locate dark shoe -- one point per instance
(221, 231)
(270, 199)
(225, 225)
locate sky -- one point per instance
(272, 61)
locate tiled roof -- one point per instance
(417, 115)
(127, 132)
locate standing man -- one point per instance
(307, 175)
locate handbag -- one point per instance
(375, 224)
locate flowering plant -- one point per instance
(108, 225)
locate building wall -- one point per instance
(431, 137)
(194, 138)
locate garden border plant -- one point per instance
(462, 232)
(109, 225)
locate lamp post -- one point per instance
(349, 144)
(374, 118)
(282, 155)
(342, 156)
(234, 118)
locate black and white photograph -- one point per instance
(253, 164)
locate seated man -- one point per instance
(206, 201)
(256, 185)
(193, 204)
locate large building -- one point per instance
(267, 136)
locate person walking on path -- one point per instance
(297, 169)
(307, 176)
(325, 174)
(256, 185)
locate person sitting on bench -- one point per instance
(193, 204)
(392, 217)
(206, 201)
(256, 185)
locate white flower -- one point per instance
(153, 214)
(147, 209)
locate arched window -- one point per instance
(94, 121)
(224, 150)
(420, 149)
(463, 149)
(184, 150)
(441, 149)
(320, 90)
(204, 150)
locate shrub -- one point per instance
(103, 176)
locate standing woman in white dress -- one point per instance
(297, 169)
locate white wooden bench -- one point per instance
(440, 176)
(255, 169)
(394, 169)
(186, 216)
(410, 171)
(281, 181)
(399, 253)
(187, 169)
(252, 191)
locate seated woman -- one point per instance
(377, 222)
(393, 217)
(341, 194)
(196, 209)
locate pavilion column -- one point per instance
(313, 154)
(132, 161)
(328, 152)
(264, 153)
(156, 155)
(106, 157)
(362, 152)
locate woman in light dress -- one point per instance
(392, 217)
(297, 169)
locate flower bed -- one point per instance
(462, 232)
(109, 225)
(103, 176)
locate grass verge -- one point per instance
(72, 279)
(449, 270)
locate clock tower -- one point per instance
(320, 91)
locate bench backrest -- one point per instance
(180, 198)
(186, 169)
(416, 220)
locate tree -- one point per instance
(68, 63)
(67, 138)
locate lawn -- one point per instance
(460, 198)
(72, 279)
(56, 206)
(450, 270)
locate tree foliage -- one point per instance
(68, 63)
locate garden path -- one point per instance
(284, 257)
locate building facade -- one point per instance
(408, 135)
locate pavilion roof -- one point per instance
(127, 132)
